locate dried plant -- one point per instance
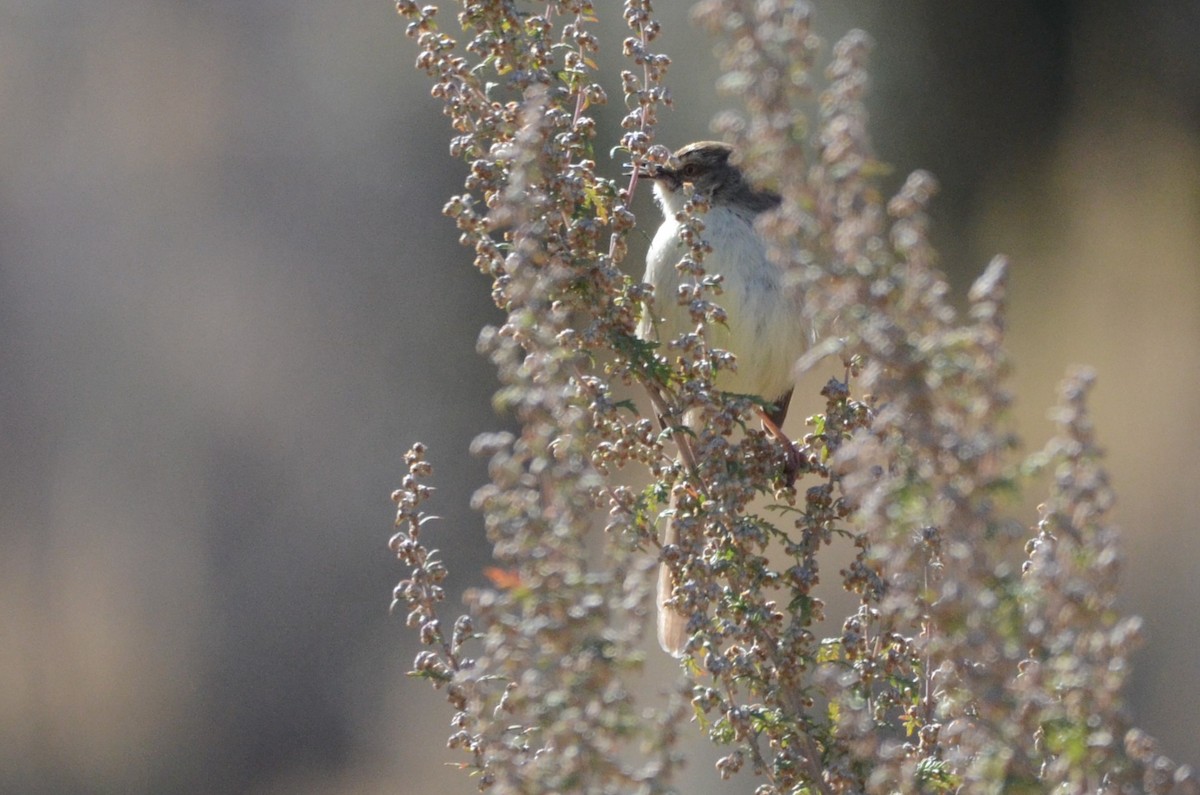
(983, 657)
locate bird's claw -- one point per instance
(793, 459)
(793, 462)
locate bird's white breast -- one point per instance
(765, 330)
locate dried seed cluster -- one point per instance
(983, 656)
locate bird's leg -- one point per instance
(772, 421)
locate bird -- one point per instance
(765, 328)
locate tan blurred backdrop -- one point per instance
(228, 303)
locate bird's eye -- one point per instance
(689, 171)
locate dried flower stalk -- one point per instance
(982, 657)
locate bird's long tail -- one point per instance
(672, 624)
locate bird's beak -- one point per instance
(647, 171)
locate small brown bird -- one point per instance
(765, 330)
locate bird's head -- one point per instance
(705, 167)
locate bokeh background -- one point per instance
(228, 303)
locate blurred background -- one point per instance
(228, 304)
